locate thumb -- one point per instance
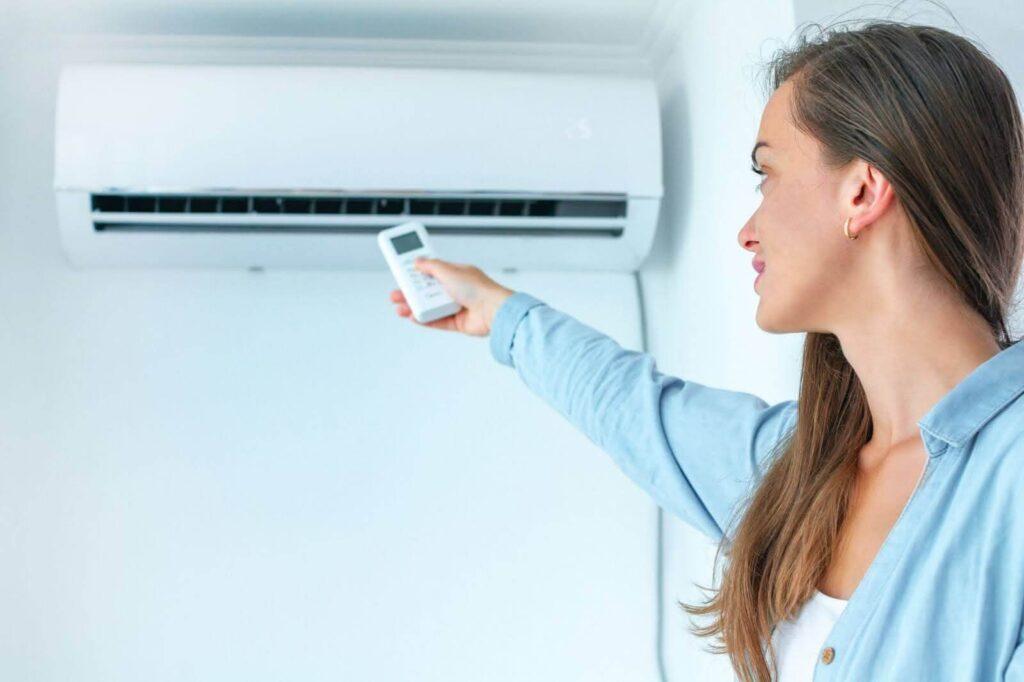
(431, 266)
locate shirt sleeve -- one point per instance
(1015, 668)
(696, 450)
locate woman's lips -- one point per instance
(759, 267)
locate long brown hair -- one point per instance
(937, 117)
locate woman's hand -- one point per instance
(479, 295)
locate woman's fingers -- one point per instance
(402, 309)
(445, 323)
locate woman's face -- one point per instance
(797, 230)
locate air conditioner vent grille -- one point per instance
(262, 204)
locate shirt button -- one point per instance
(827, 654)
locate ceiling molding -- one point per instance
(662, 32)
(622, 59)
(644, 57)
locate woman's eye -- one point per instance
(759, 185)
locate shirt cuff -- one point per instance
(506, 319)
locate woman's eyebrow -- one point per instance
(753, 152)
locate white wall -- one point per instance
(698, 281)
(212, 475)
(205, 474)
(184, 465)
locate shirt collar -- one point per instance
(978, 397)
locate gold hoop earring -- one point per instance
(846, 230)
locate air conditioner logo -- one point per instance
(579, 129)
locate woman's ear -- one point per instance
(867, 194)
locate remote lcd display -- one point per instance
(409, 241)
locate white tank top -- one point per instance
(798, 642)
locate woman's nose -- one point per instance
(746, 235)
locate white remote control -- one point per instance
(402, 245)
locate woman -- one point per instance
(874, 527)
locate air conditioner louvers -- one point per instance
(360, 214)
(355, 228)
(356, 205)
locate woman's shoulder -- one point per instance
(998, 447)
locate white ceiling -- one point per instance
(545, 34)
(586, 22)
(630, 37)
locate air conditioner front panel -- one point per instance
(209, 128)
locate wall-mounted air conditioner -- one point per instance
(255, 166)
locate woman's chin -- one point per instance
(761, 319)
(775, 322)
(766, 320)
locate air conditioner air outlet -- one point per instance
(405, 206)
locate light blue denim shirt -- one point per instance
(943, 598)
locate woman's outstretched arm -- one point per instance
(695, 449)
